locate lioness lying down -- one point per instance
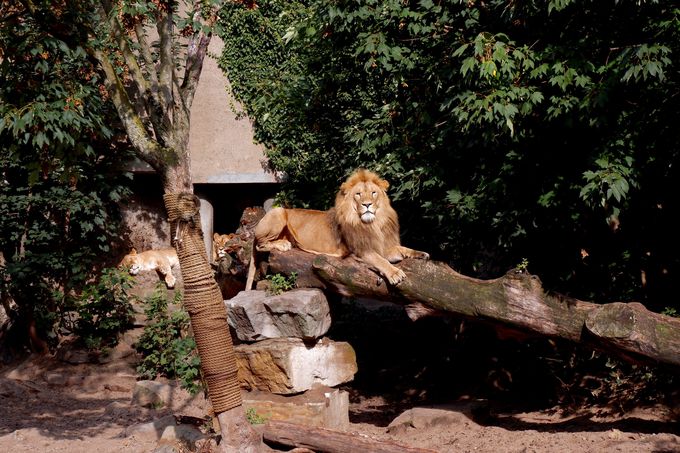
(362, 223)
(162, 261)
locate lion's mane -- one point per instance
(362, 223)
(359, 237)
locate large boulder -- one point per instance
(300, 313)
(289, 365)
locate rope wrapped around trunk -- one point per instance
(203, 301)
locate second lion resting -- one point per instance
(362, 223)
(162, 261)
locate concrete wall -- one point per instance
(222, 147)
(228, 169)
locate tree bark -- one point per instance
(516, 301)
(326, 440)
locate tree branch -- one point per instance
(166, 71)
(196, 52)
(147, 149)
(146, 91)
(326, 440)
(159, 118)
(516, 301)
(145, 52)
(128, 56)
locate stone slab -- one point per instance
(322, 407)
(289, 365)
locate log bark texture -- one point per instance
(516, 301)
(326, 440)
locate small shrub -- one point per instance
(254, 418)
(670, 311)
(104, 309)
(280, 283)
(166, 345)
(523, 266)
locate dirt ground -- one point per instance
(66, 403)
(50, 406)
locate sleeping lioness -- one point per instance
(161, 261)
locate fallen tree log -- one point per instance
(515, 301)
(329, 441)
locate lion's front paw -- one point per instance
(396, 276)
(281, 244)
(422, 256)
(284, 245)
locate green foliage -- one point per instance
(60, 180)
(254, 418)
(167, 347)
(279, 283)
(104, 308)
(523, 266)
(51, 109)
(506, 130)
(670, 311)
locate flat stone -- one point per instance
(300, 313)
(289, 365)
(322, 407)
(151, 430)
(156, 394)
(118, 352)
(428, 417)
(186, 434)
(151, 394)
(74, 356)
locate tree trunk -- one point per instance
(516, 301)
(208, 315)
(154, 105)
(202, 297)
(328, 441)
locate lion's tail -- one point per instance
(251, 269)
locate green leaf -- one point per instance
(460, 50)
(467, 65)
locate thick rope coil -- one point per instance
(203, 301)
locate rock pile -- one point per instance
(285, 364)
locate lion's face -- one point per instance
(220, 242)
(131, 261)
(362, 199)
(367, 199)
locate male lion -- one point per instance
(161, 261)
(362, 223)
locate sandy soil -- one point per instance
(51, 406)
(464, 429)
